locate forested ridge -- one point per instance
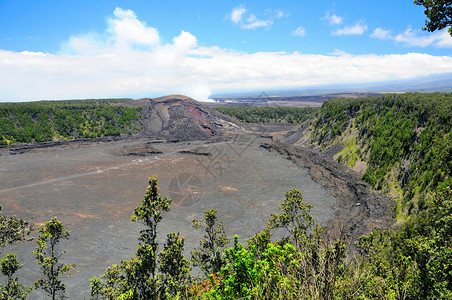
(54, 120)
(405, 139)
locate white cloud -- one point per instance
(440, 39)
(252, 22)
(127, 30)
(339, 52)
(279, 14)
(124, 13)
(89, 43)
(381, 34)
(415, 38)
(240, 16)
(333, 19)
(443, 39)
(357, 29)
(237, 14)
(232, 70)
(97, 66)
(300, 31)
(124, 32)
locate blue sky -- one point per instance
(91, 49)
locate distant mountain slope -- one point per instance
(401, 143)
(280, 100)
(178, 117)
(430, 83)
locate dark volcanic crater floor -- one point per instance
(93, 191)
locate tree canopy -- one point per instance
(439, 14)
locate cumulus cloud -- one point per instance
(128, 30)
(241, 17)
(252, 22)
(333, 19)
(410, 37)
(357, 29)
(124, 13)
(381, 34)
(128, 58)
(97, 65)
(237, 14)
(89, 43)
(281, 69)
(415, 38)
(339, 52)
(300, 31)
(124, 32)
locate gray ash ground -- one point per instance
(93, 191)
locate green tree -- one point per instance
(294, 217)
(173, 266)
(137, 278)
(438, 12)
(114, 283)
(12, 229)
(321, 260)
(260, 241)
(48, 256)
(209, 256)
(414, 262)
(150, 213)
(13, 289)
(280, 271)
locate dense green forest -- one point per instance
(405, 139)
(290, 115)
(54, 120)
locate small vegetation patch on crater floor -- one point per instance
(138, 150)
(196, 151)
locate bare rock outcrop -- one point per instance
(178, 117)
(358, 209)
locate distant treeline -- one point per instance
(290, 115)
(54, 120)
(406, 139)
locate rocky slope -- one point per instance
(358, 209)
(177, 117)
(399, 143)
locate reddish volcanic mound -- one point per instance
(178, 117)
